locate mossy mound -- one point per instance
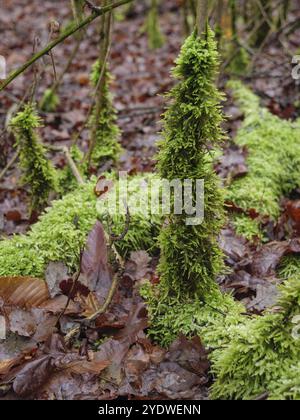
(262, 356)
(273, 162)
(61, 233)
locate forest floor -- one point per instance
(141, 78)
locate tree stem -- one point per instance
(202, 15)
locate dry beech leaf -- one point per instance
(24, 292)
(93, 367)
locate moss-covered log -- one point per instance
(273, 162)
(62, 230)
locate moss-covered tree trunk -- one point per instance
(155, 36)
(191, 258)
(104, 132)
(38, 171)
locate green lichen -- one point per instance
(106, 146)
(62, 231)
(49, 101)
(273, 161)
(39, 174)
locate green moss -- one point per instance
(50, 101)
(273, 161)
(155, 36)
(187, 299)
(261, 356)
(38, 171)
(106, 145)
(240, 62)
(289, 266)
(215, 322)
(62, 231)
(288, 385)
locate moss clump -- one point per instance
(155, 37)
(215, 322)
(39, 173)
(262, 355)
(289, 266)
(106, 145)
(62, 230)
(273, 161)
(49, 101)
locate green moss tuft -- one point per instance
(187, 299)
(67, 181)
(191, 257)
(214, 322)
(49, 101)
(240, 62)
(39, 173)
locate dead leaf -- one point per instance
(55, 273)
(137, 267)
(95, 270)
(24, 292)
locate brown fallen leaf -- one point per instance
(24, 292)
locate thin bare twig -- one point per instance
(10, 164)
(60, 39)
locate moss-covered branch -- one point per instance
(38, 171)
